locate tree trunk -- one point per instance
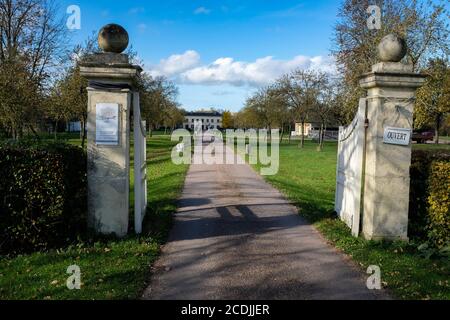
(437, 128)
(55, 130)
(302, 143)
(83, 132)
(290, 132)
(321, 137)
(34, 132)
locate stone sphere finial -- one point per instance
(113, 38)
(392, 48)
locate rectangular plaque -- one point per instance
(397, 136)
(107, 124)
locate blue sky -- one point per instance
(218, 52)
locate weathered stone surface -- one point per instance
(106, 58)
(109, 166)
(391, 93)
(113, 38)
(392, 67)
(392, 48)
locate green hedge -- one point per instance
(43, 196)
(439, 204)
(429, 202)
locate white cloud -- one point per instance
(202, 10)
(176, 64)
(142, 27)
(185, 68)
(136, 10)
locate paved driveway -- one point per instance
(236, 237)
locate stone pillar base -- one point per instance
(111, 79)
(391, 89)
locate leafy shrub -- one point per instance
(422, 181)
(439, 204)
(43, 196)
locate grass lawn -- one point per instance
(431, 146)
(110, 269)
(307, 178)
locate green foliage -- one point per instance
(307, 178)
(422, 185)
(433, 99)
(43, 196)
(423, 24)
(110, 269)
(439, 204)
(227, 120)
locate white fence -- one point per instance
(349, 183)
(140, 165)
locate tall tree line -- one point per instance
(312, 96)
(298, 97)
(424, 24)
(32, 43)
(40, 80)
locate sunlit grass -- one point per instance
(110, 269)
(307, 177)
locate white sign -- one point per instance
(398, 136)
(107, 124)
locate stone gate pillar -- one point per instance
(111, 78)
(391, 89)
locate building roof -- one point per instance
(204, 114)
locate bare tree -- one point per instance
(301, 89)
(423, 23)
(158, 96)
(33, 33)
(433, 99)
(32, 41)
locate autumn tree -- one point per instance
(247, 118)
(32, 41)
(423, 23)
(173, 116)
(68, 98)
(227, 120)
(328, 108)
(158, 96)
(433, 99)
(301, 89)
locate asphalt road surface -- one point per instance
(236, 237)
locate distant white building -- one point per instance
(208, 119)
(312, 131)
